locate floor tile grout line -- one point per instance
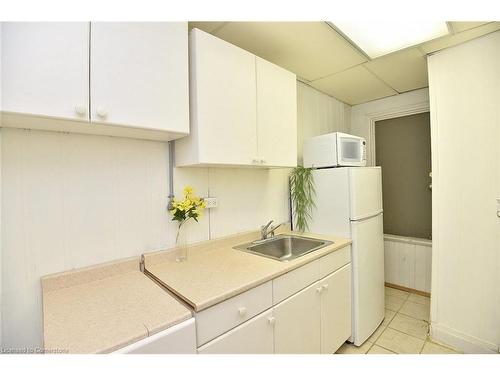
(408, 334)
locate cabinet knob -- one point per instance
(271, 320)
(102, 113)
(325, 286)
(319, 289)
(255, 161)
(262, 161)
(80, 110)
(242, 311)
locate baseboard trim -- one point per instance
(461, 341)
(410, 290)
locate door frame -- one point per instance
(386, 114)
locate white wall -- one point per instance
(465, 130)
(382, 108)
(71, 200)
(317, 114)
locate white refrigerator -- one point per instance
(349, 204)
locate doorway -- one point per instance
(403, 150)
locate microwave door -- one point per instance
(350, 151)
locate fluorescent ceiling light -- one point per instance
(377, 38)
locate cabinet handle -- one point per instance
(319, 289)
(262, 161)
(325, 286)
(255, 161)
(81, 110)
(242, 311)
(102, 113)
(271, 320)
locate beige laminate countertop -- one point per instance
(214, 271)
(103, 308)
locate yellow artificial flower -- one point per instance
(188, 190)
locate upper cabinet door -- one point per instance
(45, 68)
(139, 75)
(276, 115)
(223, 117)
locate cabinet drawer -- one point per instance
(252, 337)
(220, 318)
(292, 282)
(333, 261)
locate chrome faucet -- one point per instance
(268, 231)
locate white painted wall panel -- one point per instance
(408, 262)
(71, 201)
(464, 86)
(318, 113)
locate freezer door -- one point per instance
(368, 277)
(331, 214)
(365, 186)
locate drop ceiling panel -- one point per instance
(309, 49)
(403, 71)
(452, 40)
(354, 86)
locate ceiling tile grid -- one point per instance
(322, 58)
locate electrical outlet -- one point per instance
(210, 202)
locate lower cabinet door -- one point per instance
(297, 325)
(335, 309)
(252, 337)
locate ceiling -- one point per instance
(325, 60)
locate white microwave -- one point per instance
(334, 150)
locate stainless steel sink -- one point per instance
(283, 247)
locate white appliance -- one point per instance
(349, 204)
(334, 150)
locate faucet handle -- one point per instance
(267, 225)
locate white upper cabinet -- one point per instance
(241, 107)
(45, 68)
(223, 101)
(139, 74)
(130, 74)
(276, 115)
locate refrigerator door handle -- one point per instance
(367, 217)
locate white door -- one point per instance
(335, 309)
(368, 276)
(298, 323)
(276, 115)
(45, 68)
(252, 337)
(365, 184)
(139, 74)
(223, 101)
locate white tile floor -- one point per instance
(404, 329)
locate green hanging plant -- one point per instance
(302, 193)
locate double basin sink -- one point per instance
(284, 247)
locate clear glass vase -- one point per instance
(181, 241)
